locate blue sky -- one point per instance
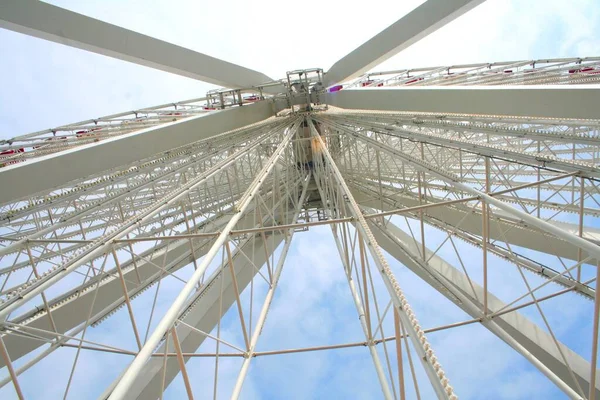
(45, 84)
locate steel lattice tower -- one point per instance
(450, 171)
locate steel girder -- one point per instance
(555, 71)
(423, 20)
(561, 102)
(476, 146)
(513, 328)
(72, 308)
(203, 312)
(469, 220)
(56, 24)
(131, 374)
(32, 177)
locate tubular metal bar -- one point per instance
(592, 392)
(120, 390)
(363, 322)
(268, 299)
(518, 332)
(104, 242)
(33, 179)
(432, 367)
(362, 312)
(234, 232)
(591, 248)
(11, 370)
(471, 146)
(202, 312)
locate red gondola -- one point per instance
(413, 81)
(579, 70)
(12, 151)
(370, 82)
(7, 153)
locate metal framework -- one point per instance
(460, 174)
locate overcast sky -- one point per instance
(44, 84)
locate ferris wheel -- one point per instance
(152, 245)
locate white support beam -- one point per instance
(517, 331)
(262, 316)
(57, 169)
(464, 218)
(431, 365)
(204, 316)
(482, 148)
(121, 389)
(56, 24)
(423, 20)
(72, 308)
(521, 101)
(385, 387)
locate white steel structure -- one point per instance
(500, 160)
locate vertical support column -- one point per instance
(126, 381)
(421, 222)
(436, 375)
(484, 236)
(399, 355)
(361, 247)
(181, 361)
(127, 300)
(387, 393)
(11, 370)
(592, 394)
(237, 389)
(580, 232)
(539, 189)
(236, 291)
(421, 182)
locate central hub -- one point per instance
(304, 83)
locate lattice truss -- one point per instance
(171, 239)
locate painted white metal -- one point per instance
(423, 20)
(71, 309)
(559, 102)
(126, 381)
(387, 394)
(470, 220)
(289, 234)
(87, 198)
(32, 177)
(523, 335)
(62, 26)
(524, 72)
(435, 373)
(203, 315)
(591, 248)
(104, 242)
(478, 147)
